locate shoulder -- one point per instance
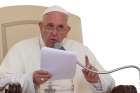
(78, 46)
(75, 46)
(27, 41)
(25, 44)
(73, 43)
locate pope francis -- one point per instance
(22, 63)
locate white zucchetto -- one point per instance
(55, 8)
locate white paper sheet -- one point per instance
(61, 64)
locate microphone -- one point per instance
(111, 71)
(58, 45)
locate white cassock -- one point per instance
(24, 58)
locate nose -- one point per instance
(54, 32)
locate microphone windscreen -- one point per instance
(57, 45)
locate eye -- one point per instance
(49, 26)
(60, 28)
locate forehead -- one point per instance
(55, 16)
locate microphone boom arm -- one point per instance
(111, 71)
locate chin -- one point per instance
(50, 45)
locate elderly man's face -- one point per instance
(54, 28)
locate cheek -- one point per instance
(45, 35)
(64, 35)
(61, 37)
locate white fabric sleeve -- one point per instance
(27, 84)
(98, 86)
(12, 68)
(25, 80)
(107, 82)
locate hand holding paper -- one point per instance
(61, 64)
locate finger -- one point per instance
(39, 79)
(92, 78)
(42, 79)
(88, 68)
(42, 72)
(6, 91)
(19, 89)
(43, 76)
(84, 71)
(95, 78)
(10, 88)
(88, 73)
(86, 61)
(91, 74)
(14, 87)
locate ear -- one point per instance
(40, 26)
(67, 30)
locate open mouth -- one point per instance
(53, 40)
